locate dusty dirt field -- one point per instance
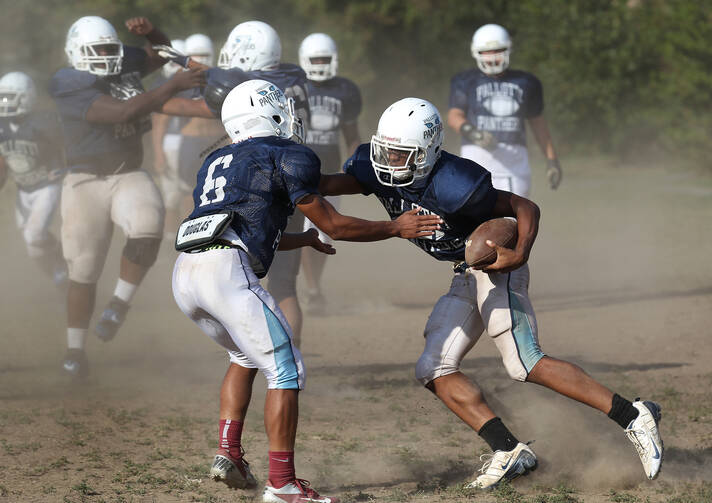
(622, 285)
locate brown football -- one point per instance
(502, 231)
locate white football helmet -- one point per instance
(93, 46)
(17, 94)
(252, 45)
(315, 46)
(491, 37)
(407, 143)
(200, 48)
(258, 108)
(171, 68)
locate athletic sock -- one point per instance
(230, 433)
(76, 338)
(281, 468)
(496, 434)
(622, 411)
(125, 291)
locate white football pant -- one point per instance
(509, 165)
(33, 214)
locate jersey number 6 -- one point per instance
(215, 183)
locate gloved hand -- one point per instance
(553, 173)
(479, 137)
(171, 54)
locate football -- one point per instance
(502, 231)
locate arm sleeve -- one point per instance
(458, 93)
(535, 99)
(302, 170)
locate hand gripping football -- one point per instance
(501, 231)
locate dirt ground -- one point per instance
(622, 285)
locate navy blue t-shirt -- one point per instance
(289, 78)
(96, 145)
(332, 104)
(499, 105)
(31, 147)
(457, 190)
(261, 180)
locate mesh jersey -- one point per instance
(98, 145)
(498, 105)
(261, 180)
(458, 190)
(31, 149)
(332, 104)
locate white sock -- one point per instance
(125, 290)
(76, 338)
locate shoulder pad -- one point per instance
(69, 80)
(456, 181)
(134, 59)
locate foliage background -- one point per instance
(629, 78)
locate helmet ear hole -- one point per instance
(277, 119)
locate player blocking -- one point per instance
(244, 196)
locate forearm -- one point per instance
(456, 118)
(157, 37)
(540, 128)
(527, 214)
(187, 108)
(345, 228)
(293, 240)
(112, 111)
(158, 130)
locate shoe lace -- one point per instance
(305, 487)
(487, 458)
(635, 435)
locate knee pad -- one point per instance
(142, 251)
(430, 367)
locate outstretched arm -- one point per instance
(310, 237)
(339, 184)
(527, 214)
(341, 227)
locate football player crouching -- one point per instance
(32, 152)
(244, 196)
(405, 167)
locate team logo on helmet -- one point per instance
(433, 125)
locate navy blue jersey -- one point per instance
(332, 104)
(31, 147)
(261, 180)
(498, 105)
(458, 190)
(289, 78)
(96, 145)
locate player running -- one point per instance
(104, 112)
(245, 194)
(405, 168)
(488, 107)
(335, 104)
(31, 150)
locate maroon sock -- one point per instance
(281, 468)
(230, 434)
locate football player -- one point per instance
(244, 196)
(335, 104)
(104, 112)
(31, 150)
(488, 107)
(405, 168)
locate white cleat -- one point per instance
(505, 465)
(235, 473)
(643, 432)
(294, 492)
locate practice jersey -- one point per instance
(332, 103)
(96, 145)
(31, 149)
(261, 180)
(499, 105)
(458, 190)
(289, 78)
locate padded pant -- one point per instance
(33, 214)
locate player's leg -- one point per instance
(171, 185)
(86, 233)
(452, 330)
(137, 207)
(34, 212)
(510, 320)
(282, 280)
